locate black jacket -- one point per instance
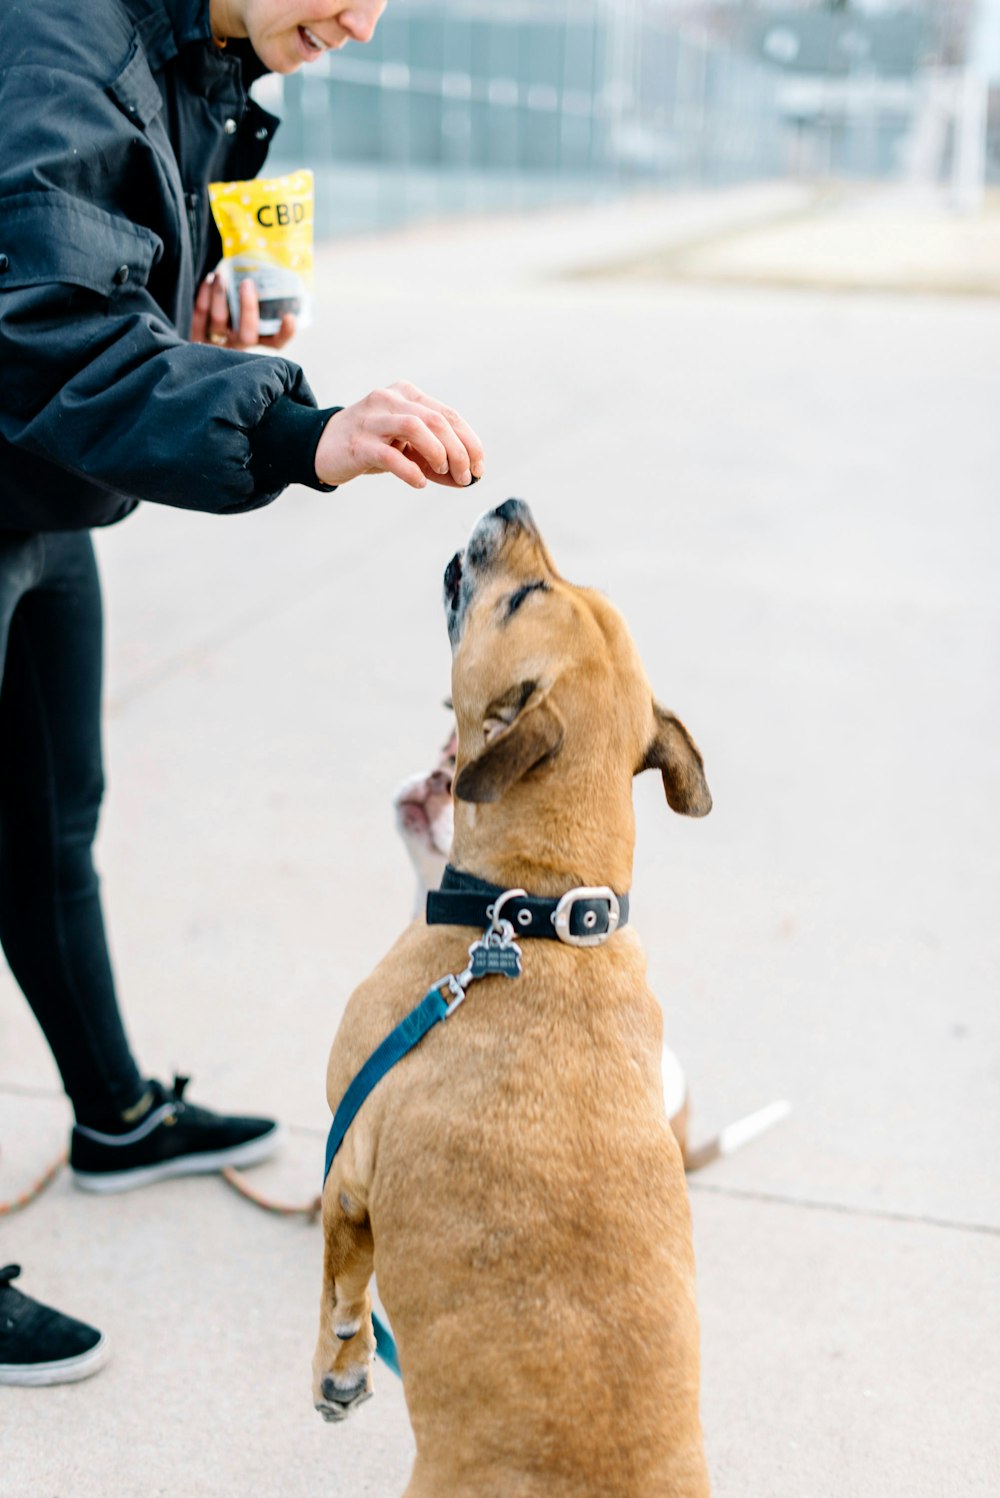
(114, 116)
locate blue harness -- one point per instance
(572, 919)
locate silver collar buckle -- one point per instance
(563, 913)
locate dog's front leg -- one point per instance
(342, 1365)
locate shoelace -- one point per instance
(172, 1096)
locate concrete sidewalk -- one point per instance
(793, 497)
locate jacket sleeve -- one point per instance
(93, 376)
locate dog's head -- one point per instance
(555, 713)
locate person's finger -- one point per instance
(411, 430)
(469, 440)
(465, 434)
(284, 335)
(442, 421)
(445, 480)
(388, 459)
(459, 461)
(247, 335)
(218, 313)
(199, 317)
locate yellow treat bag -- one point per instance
(267, 235)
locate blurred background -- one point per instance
(461, 106)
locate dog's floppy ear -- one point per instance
(675, 753)
(535, 734)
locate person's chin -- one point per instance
(282, 63)
(280, 54)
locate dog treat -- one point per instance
(267, 237)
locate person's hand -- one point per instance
(211, 324)
(400, 430)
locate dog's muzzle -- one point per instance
(489, 534)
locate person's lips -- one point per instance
(313, 45)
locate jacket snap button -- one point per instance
(4, 263)
(230, 127)
(120, 275)
(261, 133)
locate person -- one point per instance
(122, 380)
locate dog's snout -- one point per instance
(493, 530)
(515, 512)
(486, 547)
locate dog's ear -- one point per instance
(675, 753)
(535, 734)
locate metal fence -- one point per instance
(463, 105)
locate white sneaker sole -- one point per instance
(65, 1371)
(209, 1163)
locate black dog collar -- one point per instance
(583, 917)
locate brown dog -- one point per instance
(514, 1179)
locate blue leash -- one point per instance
(433, 1008)
(409, 1032)
(385, 1345)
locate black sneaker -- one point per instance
(41, 1346)
(174, 1138)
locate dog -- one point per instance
(425, 820)
(424, 817)
(514, 1179)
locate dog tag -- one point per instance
(491, 954)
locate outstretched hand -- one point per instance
(400, 430)
(211, 322)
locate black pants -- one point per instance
(51, 783)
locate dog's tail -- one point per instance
(735, 1135)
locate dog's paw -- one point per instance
(341, 1393)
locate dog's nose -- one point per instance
(515, 512)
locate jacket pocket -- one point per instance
(134, 90)
(47, 237)
(66, 269)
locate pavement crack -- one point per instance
(881, 1214)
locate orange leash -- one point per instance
(310, 1209)
(18, 1203)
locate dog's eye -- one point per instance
(516, 599)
